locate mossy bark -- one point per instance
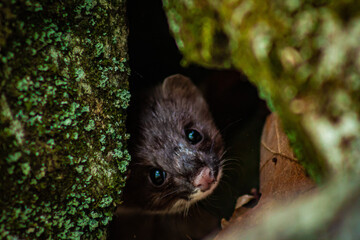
(304, 58)
(63, 95)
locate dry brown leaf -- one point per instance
(282, 178)
(281, 175)
(239, 210)
(244, 199)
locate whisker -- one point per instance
(225, 186)
(230, 125)
(231, 162)
(213, 140)
(168, 194)
(210, 201)
(197, 208)
(187, 209)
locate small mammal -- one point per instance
(176, 149)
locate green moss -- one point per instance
(106, 201)
(25, 167)
(13, 157)
(52, 60)
(298, 55)
(90, 126)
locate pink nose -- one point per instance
(204, 179)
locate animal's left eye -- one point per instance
(193, 136)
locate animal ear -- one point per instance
(178, 84)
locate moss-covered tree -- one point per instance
(304, 58)
(63, 95)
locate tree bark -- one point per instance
(63, 95)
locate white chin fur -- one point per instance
(182, 204)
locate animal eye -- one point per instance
(157, 176)
(193, 136)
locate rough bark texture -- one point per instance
(304, 58)
(63, 95)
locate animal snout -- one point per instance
(204, 179)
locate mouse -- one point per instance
(175, 146)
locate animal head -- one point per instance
(176, 149)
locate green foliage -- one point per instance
(303, 57)
(63, 95)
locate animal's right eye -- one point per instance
(193, 136)
(157, 176)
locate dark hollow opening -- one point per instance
(235, 106)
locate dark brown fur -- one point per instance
(158, 140)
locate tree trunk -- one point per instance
(63, 96)
(304, 58)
